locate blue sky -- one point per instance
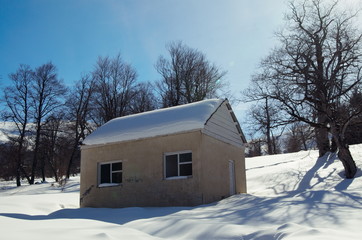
(234, 34)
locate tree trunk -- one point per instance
(344, 154)
(53, 165)
(25, 174)
(268, 129)
(70, 163)
(35, 156)
(334, 146)
(269, 142)
(42, 156)
(348, 163)
(323, 144)
(321, 131)
(18, 173)
(20, 156)
(54, 170)
(42, 165)
(18, 167)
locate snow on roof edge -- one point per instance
(159, 122)
(86, 146)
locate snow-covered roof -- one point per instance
(159, 122)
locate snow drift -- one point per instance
(290, 196)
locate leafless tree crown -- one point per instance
(187, 76)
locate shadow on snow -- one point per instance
(303, 205)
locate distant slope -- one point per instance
(7, 129)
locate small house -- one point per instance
(179, 156)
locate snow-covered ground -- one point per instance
(290, 196)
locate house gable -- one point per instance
(224, 126)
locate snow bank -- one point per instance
(291, 196)
(155, 123)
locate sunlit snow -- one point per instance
(290, 196)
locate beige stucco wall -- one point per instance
(215, 174)
(143, 178)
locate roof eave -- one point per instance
(87, 146)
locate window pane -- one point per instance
(185, 157)
(171, 166)
(105, 173)
(117, 166)
(117, 177)
(186, 169)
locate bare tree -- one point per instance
(353, 133)
(144, 99)
(187, 76)
(17, 99)
(299, 137)
(79, 108)
(313, 71)
(264, 118)
(49, 147)
(254, 148)
(114, 81)
(46, 98)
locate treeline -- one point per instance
(271, 133)
(51, 119)
(312, 79)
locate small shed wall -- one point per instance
(215, 175)
(143, 178)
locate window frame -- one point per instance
(178, 164)
(111, 184)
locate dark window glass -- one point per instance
(105, 173)
(185, 157)
(186, 169)
(117, 166)
(178, 165)
(111, 173)
(171, 166)
(117, 177)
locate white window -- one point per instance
(109, 174)
(178, 164)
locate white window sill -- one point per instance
(178, 177)
(108, 185)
